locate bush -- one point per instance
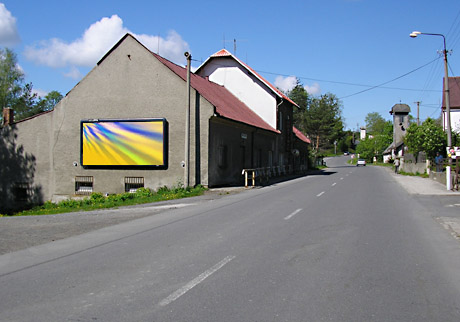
(143, 193)
(97, 197)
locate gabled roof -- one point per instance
(226, 53)
(454, 93)
(300, 135)
(226, 105)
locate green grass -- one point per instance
(98, 201)
(417, 174)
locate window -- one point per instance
(133, 183)
(21, 191)
(83, 185)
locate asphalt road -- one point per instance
(347, 245)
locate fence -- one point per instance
(263, 175)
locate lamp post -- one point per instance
(414, 34)
(446, 99)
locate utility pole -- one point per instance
(187, 124)
(418, 112)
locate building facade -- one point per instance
(45, 155)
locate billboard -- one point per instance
(137, 143)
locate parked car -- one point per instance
(361, 162)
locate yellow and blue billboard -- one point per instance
(138, 143)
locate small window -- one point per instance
(133, 183)
(21, 191)
(83, 185)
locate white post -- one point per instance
(448, 179)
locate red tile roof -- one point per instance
(454, 93)
(300, 135)
(226, 53)
(226, 104)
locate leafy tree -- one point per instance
(300, 96)
(375, 123)
(374, 147)
(323, 120)
(428, 137)
(319, 117)
(49, 101)
(11, 79)
(17, 94)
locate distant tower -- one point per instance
(400, 114)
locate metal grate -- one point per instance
(83, 185)
(21, 191)
(133, 183)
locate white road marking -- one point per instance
(293, 214)
(341, 178)
(178, 205)
(320, 194)
(334, 183)
(174, 296)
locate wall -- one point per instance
(129, 83)
(247, 88)
(234, 147)
(454, 119)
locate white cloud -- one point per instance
(285, 83)
(73, 73)
(288, 83)
(39, 92)
(95, 42)
(172, 48)
(314, 89)
(8, 32)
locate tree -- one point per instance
(300, 96)
(17, 94)
(323, 120)
(374, 147)
(428, 137)
(375, 123)
(11, 79)
(49, 101)
(318, 117)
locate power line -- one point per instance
(343, 83)
(380, 85)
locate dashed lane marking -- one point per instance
(293, 214)
(174, 296)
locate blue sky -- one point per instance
(337, 46)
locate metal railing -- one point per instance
(266, 173)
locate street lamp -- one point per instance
(414, 34)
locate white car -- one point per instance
(361, 162)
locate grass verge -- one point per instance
(99, 201)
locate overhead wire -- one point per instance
(394, 79)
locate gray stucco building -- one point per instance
(42, 155)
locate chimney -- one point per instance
(8, 116)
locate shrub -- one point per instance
(97, 197)
(143, 193)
